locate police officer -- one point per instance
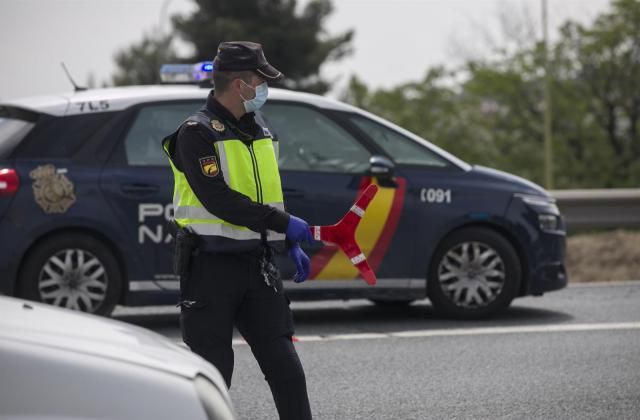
(228, 200)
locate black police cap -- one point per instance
(245, 56)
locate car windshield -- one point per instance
(402, 150)
(12, 131)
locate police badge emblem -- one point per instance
(217, 125)
(209, 166)
(53, 191)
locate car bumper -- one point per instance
(549, 272)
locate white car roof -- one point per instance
(119, 98)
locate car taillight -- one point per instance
(9, 181)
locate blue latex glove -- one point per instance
(302, 263)
(298, 230)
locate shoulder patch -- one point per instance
(266, 132)
(191, 123)
(217, 125)
(209, 166)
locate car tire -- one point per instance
(74, 271)
(475, 272)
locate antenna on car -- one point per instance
(76, 88)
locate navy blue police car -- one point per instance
(86, 191)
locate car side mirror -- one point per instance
(381, 166)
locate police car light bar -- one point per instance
(186, 73)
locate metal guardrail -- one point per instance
(599, 208)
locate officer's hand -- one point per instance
(298, 230)
(302, 263)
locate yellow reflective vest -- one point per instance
(248, 167)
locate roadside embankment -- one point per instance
(604, 256)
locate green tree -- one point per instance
(140, 63)
(294, 41)
(503, 98)
(599, 66)
(490, 111)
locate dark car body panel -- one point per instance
(129, 208)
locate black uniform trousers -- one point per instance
(227, 289)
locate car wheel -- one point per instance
(475, 272)
(73, 271)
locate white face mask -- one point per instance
(262, 92)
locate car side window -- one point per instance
(143, 142)
(311, 141)
(402, 150)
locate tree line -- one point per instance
(490, 111)
(486, 111)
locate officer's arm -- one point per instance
(215, 195)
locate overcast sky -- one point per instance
(395, 40)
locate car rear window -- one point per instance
(61, 137)
(12, 131)
(15, 124)
(152, 124)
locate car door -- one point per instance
(323, 168)
(139, 185)
(434, 195)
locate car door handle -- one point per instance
(293, 193)
(140, 188)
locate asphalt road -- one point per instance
(572, 354)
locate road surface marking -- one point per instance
(451, 332)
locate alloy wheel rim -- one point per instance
(73, 279)
(472, 274)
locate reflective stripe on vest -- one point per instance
(232, 232)
(237, 163)
(195, 212)
(204, 223)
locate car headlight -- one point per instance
(546, 208)
(548, 222)
(213, 402)
(538, 202)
